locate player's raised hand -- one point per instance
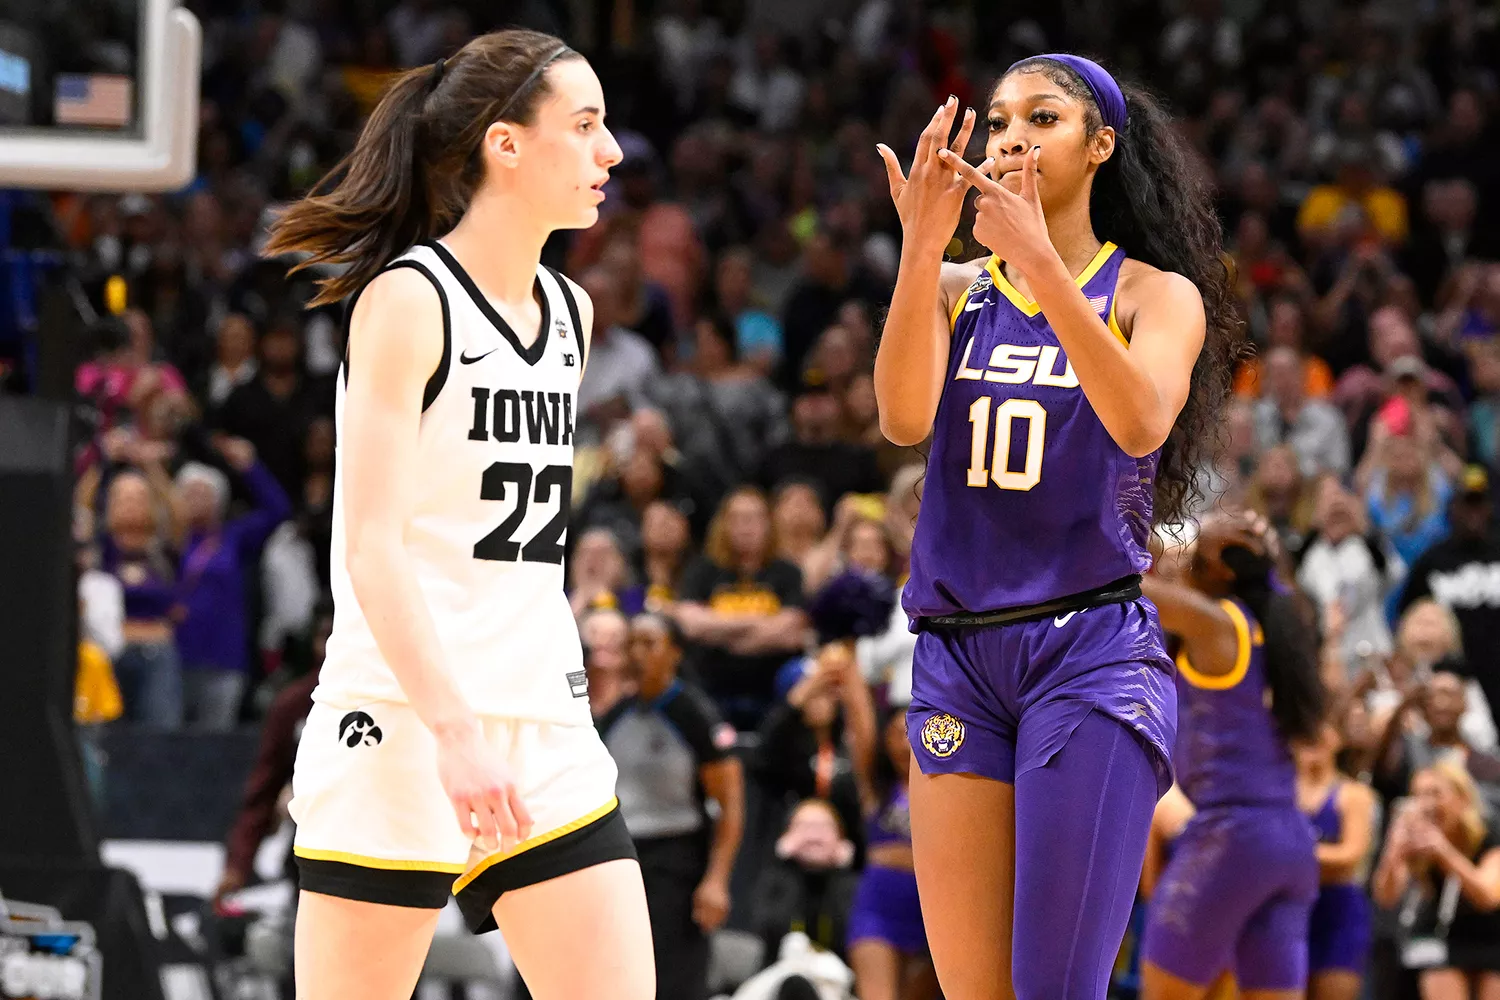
(930, 200)
(1010, 225)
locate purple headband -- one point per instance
(1107, 93)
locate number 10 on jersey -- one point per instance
(1004, 416)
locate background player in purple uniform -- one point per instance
(1240, 886)
(1343, 816)
(1050, 377)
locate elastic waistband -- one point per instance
(1120, 592)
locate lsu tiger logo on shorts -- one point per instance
(942, 735)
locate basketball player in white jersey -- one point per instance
(450, 748)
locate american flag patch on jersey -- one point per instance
(1100, 304)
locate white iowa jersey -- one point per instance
(495, 472)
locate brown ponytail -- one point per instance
(417, 161)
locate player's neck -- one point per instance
(1072, 233)
(500, 244)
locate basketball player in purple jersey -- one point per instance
(1239, 889)
(1051, 376)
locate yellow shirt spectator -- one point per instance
(96, 695)
(1383, 206)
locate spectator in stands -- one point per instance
(127, 351)
(1281, 495)
(272, 771)
(604, 633)
(758, 334)
(1441, 866)
(804, 749)
(1343, 563)
(1312, 428)
(673, 751)
(810, 887)
(619, 500)
(134, 550)
(273, 410)
(1356, 185)
(1462, 573)
(1286, 327)
(800, 525)
(1446, 236)
(665, 541)
(597, 572)
(1406, 489)
(815, 452)
(620, 362)
(1408, 745)
(831, 276)
(742, 609)
(235, 362)
(724, 414)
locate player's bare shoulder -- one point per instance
(1141, 282)
(955, 279)
(399, 311)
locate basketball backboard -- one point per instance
(98, 95)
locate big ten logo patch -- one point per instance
(358, 728)
(745, 600)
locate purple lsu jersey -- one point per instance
(1230, 750)
(1027, 498)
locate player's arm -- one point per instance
(1210, 635)
(1337, 862)
(1136, 388)
(1137, 391)
(395, 344)
(912, 359)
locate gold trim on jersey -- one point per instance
(1114, 324)
(1244, 640)
(384, 864)
(537, 841)
(1027, 306)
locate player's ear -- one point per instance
(501, 144)
(1101, 145)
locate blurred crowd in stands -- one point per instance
(731, 473)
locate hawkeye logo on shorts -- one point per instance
(942, 735)
(356, 728)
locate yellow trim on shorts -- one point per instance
(537, 841)
(1243, 638)
(384, 864)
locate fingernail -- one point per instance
(952, 98)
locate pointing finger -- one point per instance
(977, 177)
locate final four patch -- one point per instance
(942, 735)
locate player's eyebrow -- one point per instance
(1035, 98)
(588, 110)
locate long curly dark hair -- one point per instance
(1154, 200)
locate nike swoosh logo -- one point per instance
(971, 306)
(464, 359)
(1062, 620)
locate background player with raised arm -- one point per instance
(451, 748)
(1050, 377)
(1238, 891)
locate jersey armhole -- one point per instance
(440, 375)
(572, 304)
(1244, 641)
